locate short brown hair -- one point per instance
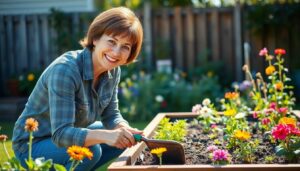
(119, 21)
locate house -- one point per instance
(11, 7)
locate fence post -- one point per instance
(238, 41)
(148, 36)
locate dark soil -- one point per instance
(196, 143)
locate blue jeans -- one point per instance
(102, 153)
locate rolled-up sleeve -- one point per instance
(62, 85)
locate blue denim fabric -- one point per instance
(102, 153)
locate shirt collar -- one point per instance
(88, 68)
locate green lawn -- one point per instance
(6, 128)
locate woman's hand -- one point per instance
(122, 137)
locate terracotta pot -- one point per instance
(127, 159)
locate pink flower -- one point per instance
(220, 155)
(283, 110)
(212, 148)
(265, 121)
(273, 105)
(196, 108)
(281, 131)
(255, 115)
(213, 126)
(263, 52)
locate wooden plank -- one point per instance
(21, 58)
(44, 29)
(238, 41)
(178, 38)
(35, 58)
(3, 71)
(215, 35)
(10, 46)
(201, 37)
(227, 45)
(190, 41)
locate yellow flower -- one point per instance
(31, 125)
(286, 120)
(79, 153)
(230, 112)
(231, 95)
(3, 137)
(158, 151)
(30, 77)
(270, 69)
(242, 135)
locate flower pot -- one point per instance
(128, 158)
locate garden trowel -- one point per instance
(174, 153)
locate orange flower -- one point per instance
(231, 95)
(270, 69)
(279, 86)
(280, 51)
(286, 121)
(78, 153)
(3, 137)
(30, 77)
(31, 125)
(242, 135)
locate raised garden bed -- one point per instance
(128, 159)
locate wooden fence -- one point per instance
(184, 35)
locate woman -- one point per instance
(78, 90)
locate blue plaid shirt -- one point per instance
(64, 102)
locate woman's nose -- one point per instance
(116, 50)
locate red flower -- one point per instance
(265, 121)
(280, 131)
(280, 51)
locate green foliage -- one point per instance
(171, 130)
(144, 95)
(68, 34)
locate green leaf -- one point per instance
(59, 167)
(280, 151)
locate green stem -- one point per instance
(160, 160)
(30, 146)
(6, 152)
(72, 165)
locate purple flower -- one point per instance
(220, 155)
(245, 85)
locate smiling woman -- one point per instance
(75, 99)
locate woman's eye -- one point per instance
(112, 42)
(126, 48)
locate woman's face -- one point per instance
(111, 51)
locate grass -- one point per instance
(7, 128)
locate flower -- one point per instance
(242, 135)
(265, 121)
(278, 86)
(263, 52)
(270, 70)
(220, 155)
(212, 148)
(286, 121)
(159, 151)
(279, 51)
(231, 95)
(196, 108)
(230, 112)
(30, 77)
(206, 102)
(79, 153)
(281, 131)
(31, 125)
(3, 137)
